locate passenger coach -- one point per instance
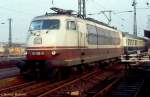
(133, 43)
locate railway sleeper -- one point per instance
(129, 86)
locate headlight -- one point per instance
(53, 53)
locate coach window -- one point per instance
(71, 25)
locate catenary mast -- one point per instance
(82, 8)
(135, 21)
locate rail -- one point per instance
(80, 86)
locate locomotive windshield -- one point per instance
(45, 24)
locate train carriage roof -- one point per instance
(132, 36)
(76, 16)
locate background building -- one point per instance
(17, 49)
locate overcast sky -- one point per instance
(22, 12)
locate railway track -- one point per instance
(7, 82)
(133, 83)
(81, 85)
(101, 89)
(7, 63)
(97, 83)
(8, 68)
(33, 88)
(128, 88)
(9, 72)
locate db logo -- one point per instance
(37, 40)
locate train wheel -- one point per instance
(103, 65)
(47, 71)
(66, 72)
(25, 70)
(29, 75)
(80, 69)
(74, 70)
(38, 73)
(86, 67)
(22, 67)
(56, 74)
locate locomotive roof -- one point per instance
(76, 16)
(101, 23)
(69, 13)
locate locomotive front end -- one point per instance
(42, 39)
(44, 36)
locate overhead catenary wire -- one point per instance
(99, 5)
(103, 9)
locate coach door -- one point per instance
(81, 34)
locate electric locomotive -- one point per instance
(61, 41)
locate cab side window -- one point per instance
(71, 25)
